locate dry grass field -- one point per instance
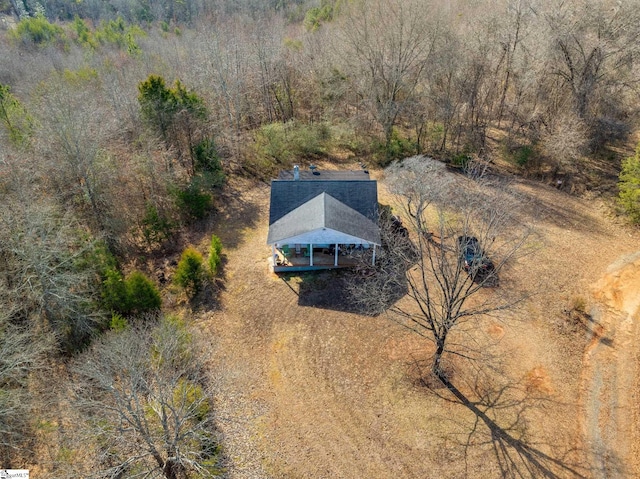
(306, 388)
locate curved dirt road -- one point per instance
(610, 378)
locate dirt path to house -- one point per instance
(307, 390)
(611, 373)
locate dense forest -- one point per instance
(121, 121)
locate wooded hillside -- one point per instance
(121, 121)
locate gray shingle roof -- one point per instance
(323, 212)
(359, 194)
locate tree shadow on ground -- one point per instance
(533, 200)
(555, 208)
(500, 419)
(235, 214)
(335, 290)
(515, 457)
(208, 298)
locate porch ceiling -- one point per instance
(323, 236)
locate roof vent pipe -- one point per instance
(296, 172)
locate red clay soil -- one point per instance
(611, 373)
(307, 389)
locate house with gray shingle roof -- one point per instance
(322, 219)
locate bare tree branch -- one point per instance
(461, 234)
(147, 406)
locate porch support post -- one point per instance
(373, 260)
(310, 254)
(336, 255)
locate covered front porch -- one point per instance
(322, 233)
(310, 257)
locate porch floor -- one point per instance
(321, 260)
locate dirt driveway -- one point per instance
(308, 390)
(611, 372)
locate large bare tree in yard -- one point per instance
(146, 409)
(461, 234)
(445, 293)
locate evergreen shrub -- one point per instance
(190, 271)
(629, 186)
(215, 252)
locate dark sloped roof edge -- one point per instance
(360, 195)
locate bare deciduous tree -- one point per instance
(21, 353)
(388, 45)
(461, 234)
(148, 412)
(565, 141)
(76, 127)
(593, 47)
(46, 280)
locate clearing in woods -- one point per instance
(306, 389)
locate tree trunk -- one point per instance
(420, 131)
(170, 469)
(436, 367)
(388, 137)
